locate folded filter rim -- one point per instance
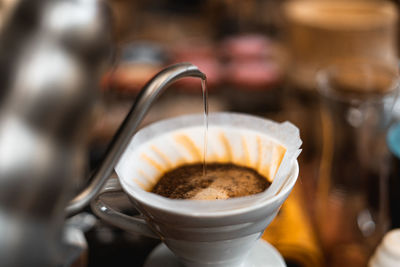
(226, 207)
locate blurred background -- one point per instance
(328, 66)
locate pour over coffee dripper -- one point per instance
(213, 238)
(204, 233)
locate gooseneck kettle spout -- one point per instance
(145, 99)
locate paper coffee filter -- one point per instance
(266, 146)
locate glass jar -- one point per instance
(352, 199)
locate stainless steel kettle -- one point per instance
(52, 54)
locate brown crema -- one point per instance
(222, 181)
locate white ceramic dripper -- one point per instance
(217, 233)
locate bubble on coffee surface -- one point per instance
(222, 181)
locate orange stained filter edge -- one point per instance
(163, 156)
(190, 146)
(246, 154)
(227, 146)
(153, 163)
(137, 181)
(259, 152)
(281, 151)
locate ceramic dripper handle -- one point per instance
(131, 224)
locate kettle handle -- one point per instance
(131, 224)
(145, 99)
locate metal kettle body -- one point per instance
(52, 54)
(51, 58)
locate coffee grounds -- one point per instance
(222, 181)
